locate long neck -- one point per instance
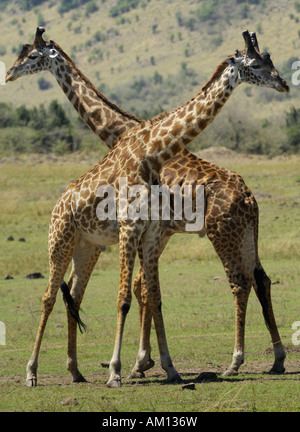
(177, 129)
(104, 118)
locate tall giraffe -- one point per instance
(242, 68)
(104, 118)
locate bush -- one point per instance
(2, 50)
(44, 84)
(66, 5)
(206, 11)
(6, 114)
(90, 8)
(293, 130)
(36, 129)
(29, 4)
(122, 7)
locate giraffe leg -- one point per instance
(143, 360)
(151, 252)
(129, 237)
(238, 255)
(60, 254)
(241, 287)
(84, 259)
(244, 270)
(262, 289)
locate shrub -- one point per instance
(66, 5)
(36, 129)
(2, 50)
(122, 7)
(293, 129)
(90, 8)
(44, 84)
(206, 11)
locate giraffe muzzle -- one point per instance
(282, 87)
(10, 76)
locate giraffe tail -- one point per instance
(69, 302)
(262, 280)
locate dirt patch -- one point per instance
(221, 155)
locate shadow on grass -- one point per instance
(159, 379)
(212, 377)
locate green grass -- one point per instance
(198, 308)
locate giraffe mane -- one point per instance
(24, 51)
(216, 75)
(91, 85)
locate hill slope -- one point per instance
(153, 55)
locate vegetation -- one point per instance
(29, 4)
(66, 5)
(38, 129)
(147, 66)
(293, 130)
(50, 129)
(122, 7)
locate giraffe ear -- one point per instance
(234, 61)
(52, 53)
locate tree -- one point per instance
(22, 116)
(57, 115)
(293, 129)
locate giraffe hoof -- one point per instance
(176, 379)
(136, 375)
(113, 383)
(31, 382)
(276, 370)
(80, 379)
(229, 372)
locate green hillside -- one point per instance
(154, 55)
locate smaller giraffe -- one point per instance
(139, 156)
(103, 117)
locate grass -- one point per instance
(197, 304)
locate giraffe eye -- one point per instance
(32, 56)
(255, 66)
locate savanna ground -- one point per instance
(197, 304)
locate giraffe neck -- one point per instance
(176, 130)
(104, 118)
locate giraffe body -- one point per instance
(141, 154)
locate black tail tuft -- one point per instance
(261, 278)
(69, 302)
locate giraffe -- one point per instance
(229, 74)
(103, 117)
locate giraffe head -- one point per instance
(252, 67)
(34, 58)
